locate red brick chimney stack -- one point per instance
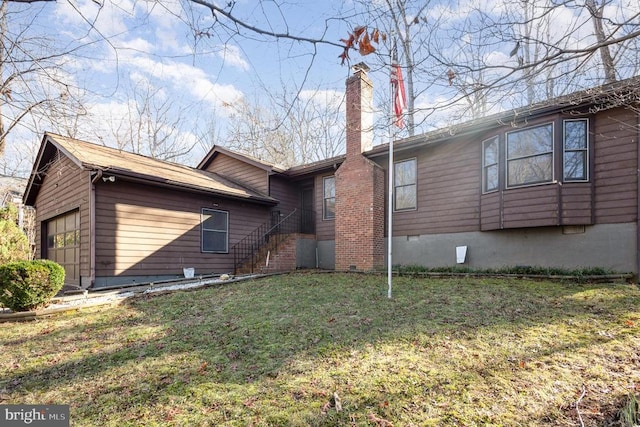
(360, 196)
(359, 111)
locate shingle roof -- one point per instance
(127, 165)
(243, 157)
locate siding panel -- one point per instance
(65, 187)
(616, 166)
(325, 229)
(157, 232)
(244, 173)
(285, 192)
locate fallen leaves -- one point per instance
(379, 422)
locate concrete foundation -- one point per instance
(611, 246)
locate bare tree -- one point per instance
(291, 128)
(152, 124)
(597, 17)
(33, 86)
(481, 56)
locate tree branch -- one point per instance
(216, 9)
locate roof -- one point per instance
(135, 167)
(216, 149)
(315, 167)
(616, 94)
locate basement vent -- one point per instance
(573, 229)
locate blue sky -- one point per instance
(126, 43)
(131, 43)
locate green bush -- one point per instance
(14, 244)
(27, 285)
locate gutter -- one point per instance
(143, 179)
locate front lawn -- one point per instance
(278, 350)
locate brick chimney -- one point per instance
(359, 111)
(360, 196)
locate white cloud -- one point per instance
(327, 98)
(232, 55)
(107, 19)
(186, 79)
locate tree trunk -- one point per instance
(605, 53)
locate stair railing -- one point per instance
(247, 250)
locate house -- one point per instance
(554, 184)
(11, 191)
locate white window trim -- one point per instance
(395, 185)
(553, 156)
(324, 199)
(586, 150)
(497, 163)
(202, 230)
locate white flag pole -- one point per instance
(391, 173)
(390, 232)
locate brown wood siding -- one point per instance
(142, 230)
(616, 166)
(531, 206)
(244, 173)
(577, 203)
(325, 229)
(286, 193)
(65, 188)
(490, 211)
(448, 190)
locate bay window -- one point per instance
(530, 156)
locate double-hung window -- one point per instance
(329, 197)
(404, 185)
(576, 147)
(490, 169)
(530, 156)
(214, 228)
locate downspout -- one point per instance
(92, 228)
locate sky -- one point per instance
(124, 44)
(198, 70)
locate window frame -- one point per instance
(508, 159)
(485, 166)
(203, 230)
(325, 217)
(414, 160)
(585, 150)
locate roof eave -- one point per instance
(131, 176)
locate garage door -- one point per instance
(63, 244)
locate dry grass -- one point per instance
(274, 351)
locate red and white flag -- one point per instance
(399, 96)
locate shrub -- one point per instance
(26, 285)
(14, 244)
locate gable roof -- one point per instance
(245, 158)
(135, 167)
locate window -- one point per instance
(329, 198)
(576, 145)
(490, 165)
(530, 156)
(215, 231)
(404, 185)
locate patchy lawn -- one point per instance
(274, 351)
